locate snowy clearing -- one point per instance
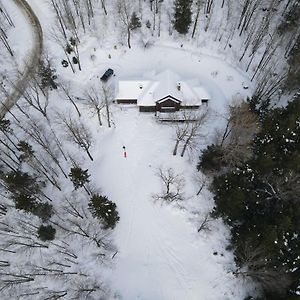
(161, 255)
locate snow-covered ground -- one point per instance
(160, 253)
(20, 39)
(223, 81)
(161, 256)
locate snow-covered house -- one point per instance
(165, 92)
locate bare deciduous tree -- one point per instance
(36, 131)
(195, 122)
(204, 225)
(241, 126)
(173, 185)
(181, 131)
(69, 96)
(61, 266)
(107, 96)
(125, 9)
(187, 125)
(95, 102)
(199, 5)
(78, 133)
(35, 98)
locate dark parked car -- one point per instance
(108, 73)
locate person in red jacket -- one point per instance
(124, 150)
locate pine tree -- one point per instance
(47, 76)
(105, 210)
(43, 210)
(292, 81)
(25, 202)
(211, 159)
(79, 177)
(260, 201)
(26, 150)
(182, 16)
(22, 183)
(135, 21)
(46, 233)
(5, 126)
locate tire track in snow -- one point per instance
(152, 251)
(127, 176)
(172, 264)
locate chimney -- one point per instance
(140, 86)
(178, 86)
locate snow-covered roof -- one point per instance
(131, 89)
(201, 93)
(167, 86)
(164, 84)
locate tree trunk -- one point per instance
(99, 117)
(185, 145)
(196, 22)
(89, 154)
(176, 147)
(128, 38)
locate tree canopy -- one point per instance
(260, 201)
(182, 16)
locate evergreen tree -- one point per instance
(182, 16)
(24, 189)
(148, 24)
(18, 182)
(291, 19)
(79, 177)
(28, 203)
(135, 21)
(260, 201)
(259, 106)
(47, 76)
(46, 233)
(211, 159)
(26, 150)
(105, 210)
(5, 126)
(43, 210)
(292, 80)
(25, 202)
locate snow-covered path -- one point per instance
(161, 256)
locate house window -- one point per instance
(204, 101)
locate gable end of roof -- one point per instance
(169, 97)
